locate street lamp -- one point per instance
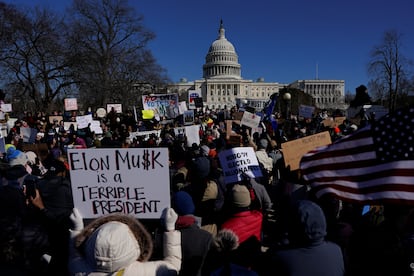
(287, 97)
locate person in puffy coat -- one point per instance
(118, 244)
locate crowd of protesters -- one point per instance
(272, 225)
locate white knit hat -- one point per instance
(112, 247)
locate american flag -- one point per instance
(373, 165)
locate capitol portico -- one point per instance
(222, 84)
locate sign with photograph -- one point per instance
(189, 117)
(163, 105)
(193, 94)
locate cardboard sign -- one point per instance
(238, 115)
(339, 121)
(238, 161)
(133, 181)
(235, 140)
(295, 149)
(55, 117)
(329, 122)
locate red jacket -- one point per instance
(245, 224)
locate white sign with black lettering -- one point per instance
(238, 161)
(133, 181)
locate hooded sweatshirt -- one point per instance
(309, 253)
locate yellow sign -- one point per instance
(147, 114)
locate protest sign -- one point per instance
(66, 125)
(26, 133)
(84, 121)
(54, 118)
(295, 149)
(189, 117)
(133, 181)
(250, 119)
(6, 107)
(164, 105)
(96, 127)
(192, 134)
(117, 107)
(182, 107)
(306, 111)
(339, 120)
(193, 94)
(238, 161)
(71, 104)
(147, 134)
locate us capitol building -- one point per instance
(222, 85)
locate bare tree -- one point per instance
(388, 65)
(32, 57)
(109, 40)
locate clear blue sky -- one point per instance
(282, 41)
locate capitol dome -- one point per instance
(221, 59)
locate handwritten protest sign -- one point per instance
(6, 107)
(306, 111)
(96, 127)
(133, 181)
(71, 104)
(116, 106)
(84, 121)
(250, 119)
(295, 149)
(238, 161)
